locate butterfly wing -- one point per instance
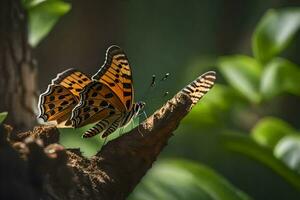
(62, 95)
(105, 127)
(116, 74)
(198, 88)
(97, 101)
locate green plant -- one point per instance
(255, 82)
(2, 116)
(43, 15)
(182, 179)
(252, 83)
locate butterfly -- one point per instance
(106, 99)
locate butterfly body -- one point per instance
(107, 99)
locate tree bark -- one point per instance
(36, 167)
(18, 73)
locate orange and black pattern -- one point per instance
(116, 73)
(97, 102)
(198, 88)
(61, 96)
(104, 127)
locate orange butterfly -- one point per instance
(107, 99)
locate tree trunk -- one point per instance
(18, 73)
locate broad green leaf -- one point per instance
(243, 73)
(43, 15)
(279, 76)
(274, 32)
(268, 131)
(246, 146)
(3, 115)
(182, 179)
(288, 150)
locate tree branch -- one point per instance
(58, 173)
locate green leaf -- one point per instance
(288, 150)
(279, 76)
(3, 115)
(182, 179)
(273, 33)
(243, 73)
(43, 15)
(268, 131)
(246, 146)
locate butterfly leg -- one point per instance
(140, 131)
(145, 114)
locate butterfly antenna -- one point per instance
(165, 77)
(153, 81)
(150, 87)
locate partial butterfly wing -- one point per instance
(97, 101)
(105, 127)
(198, 88)
(61, 96)
(116, 74)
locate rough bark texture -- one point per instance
(17, 71)
(36, 167)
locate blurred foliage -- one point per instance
(276, 143)
(269, 130)
(3, 115)
(287, 150)
(280, 75)
(182, 179)
(252, 83)
(43, 15)
(243, 73)
(244, 145)
(273, 33)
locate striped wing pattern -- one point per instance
(61, 96)
(97, 102)
(116, 73)
(104, 127)
(199, 87)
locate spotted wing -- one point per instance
(199, 87)
(116, 74)
(97, 102)
(105, 126)
(61, 96)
